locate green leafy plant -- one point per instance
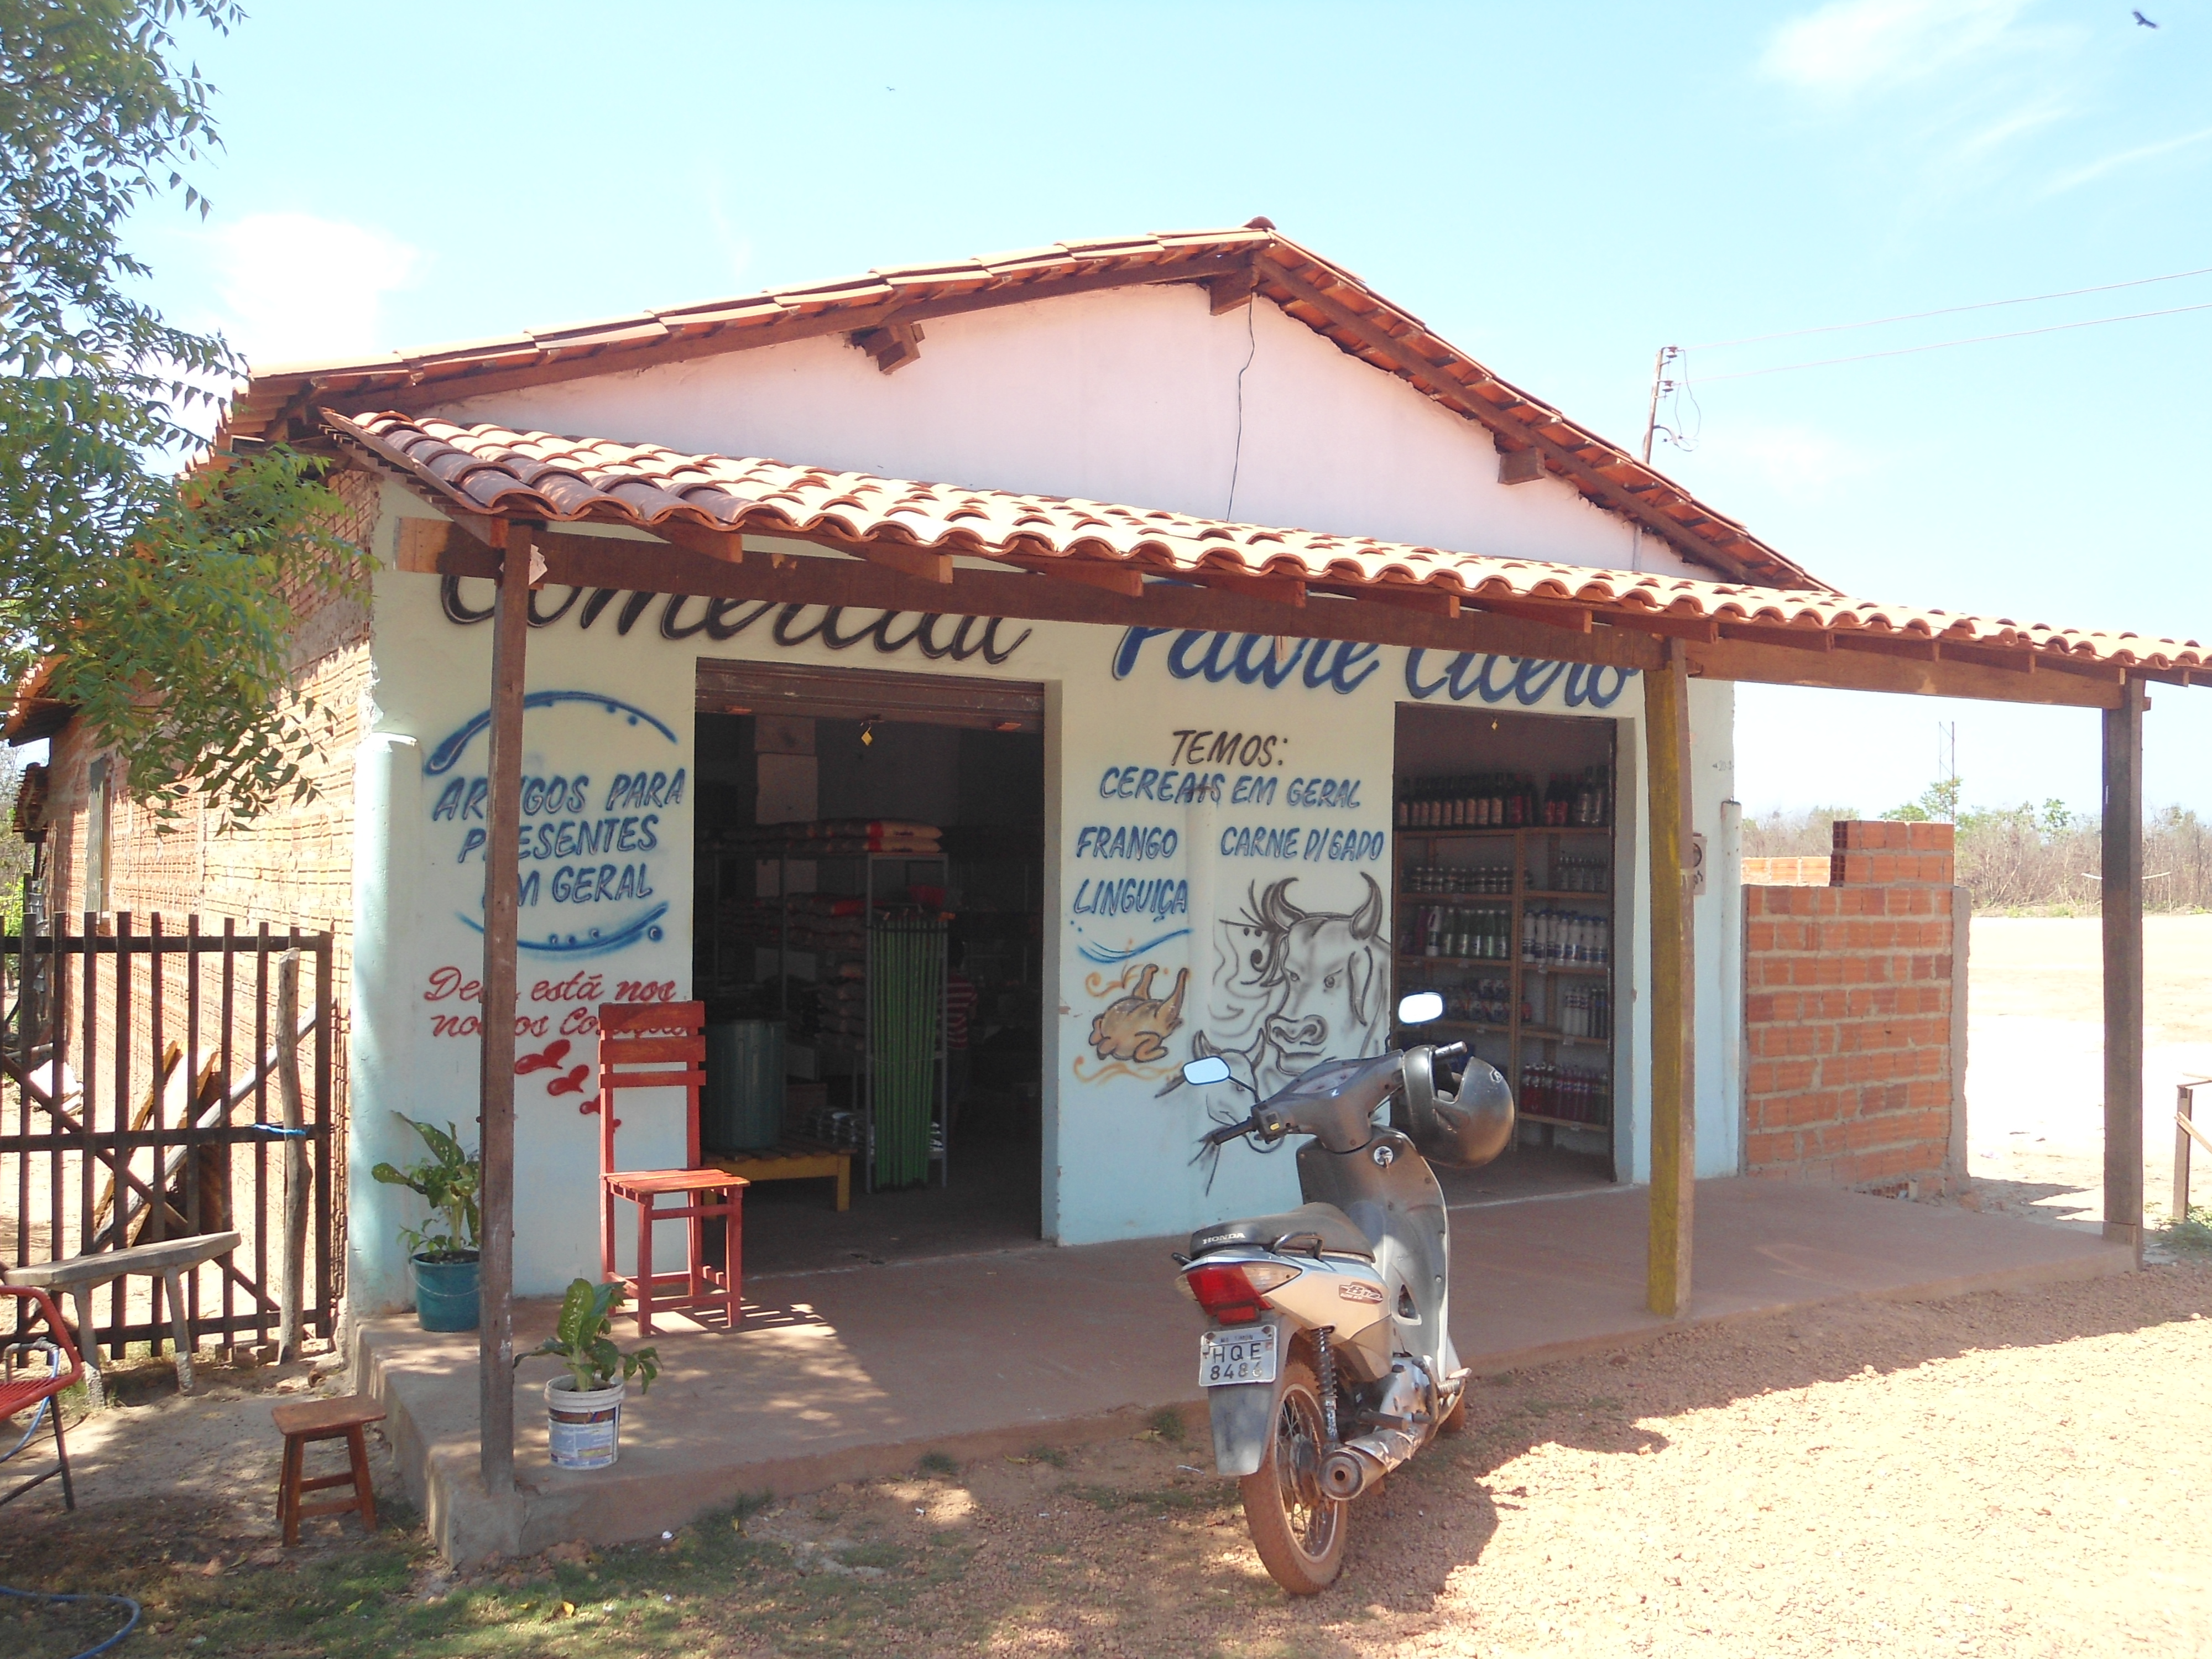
(449, 1181)
(580, 1340)
(164, 608)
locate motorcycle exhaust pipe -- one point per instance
(1347, 1472)
(1357, 1465)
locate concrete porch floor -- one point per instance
(854, 1374)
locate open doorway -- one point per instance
(1506, 878)
(868, 941)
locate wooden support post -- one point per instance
(295, 1154)
(2185, 1131)
(1673, 1076)
(503, 830)
(2123, 970)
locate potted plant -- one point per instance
(444, 1250)
(583, 1410)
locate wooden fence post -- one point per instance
(295, 1154)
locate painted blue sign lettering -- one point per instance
(1340, 666)
(1527, 680)
(1126, 841)
(1159, 898)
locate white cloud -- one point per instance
(2083, 175)
(1854, 45)
(295, 288)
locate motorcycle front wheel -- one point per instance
(1297, 1529)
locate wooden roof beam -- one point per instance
(658, 567)
(893, 345)
(721, 338)
(1460, 395)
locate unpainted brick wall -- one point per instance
(293, 866)
(1848, 1013)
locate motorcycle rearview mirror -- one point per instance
(1420, 1008)
(1201, 1072)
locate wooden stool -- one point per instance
(302, 1423)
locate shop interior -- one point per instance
(868, 884)
(1503, 902)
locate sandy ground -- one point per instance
(2008, 1474)
(2035, 1080)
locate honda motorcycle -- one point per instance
(1329, 1359)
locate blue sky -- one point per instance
(1560, 191)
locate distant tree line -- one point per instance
(2022, 857)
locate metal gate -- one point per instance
(139, 1102)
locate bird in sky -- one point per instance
(2144, 20)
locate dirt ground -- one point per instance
(2015, 1474)
(2035, 1080)
(1998, 1474)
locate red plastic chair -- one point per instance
(663, 1045)
(19, 1395)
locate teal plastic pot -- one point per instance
(446, 1297)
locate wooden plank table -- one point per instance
(80, 1275)
(793, 1160)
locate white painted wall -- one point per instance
(1127, 396)
(1118, 1136)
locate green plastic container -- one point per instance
(741, 1107)
(445, 1294)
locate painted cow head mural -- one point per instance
(1329, 976)
(1312, 985)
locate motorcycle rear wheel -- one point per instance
(1298, 1531)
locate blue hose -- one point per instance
(129, 1625)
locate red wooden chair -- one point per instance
(663, 1045)
(23, 1393)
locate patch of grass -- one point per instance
(1168, 1424)
(2191, 1235)
(1158, 1499)
(1052, 1456)
(708, 1589)
(942, 1465)
(751, 1504)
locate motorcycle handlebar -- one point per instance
(1449, 1051)
(1228, 1131)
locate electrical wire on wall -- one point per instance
(1237, 456)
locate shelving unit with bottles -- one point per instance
(1504, 905)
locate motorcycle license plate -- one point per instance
(1245, 1356)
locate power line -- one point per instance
(1938, 345)
(1950, 310)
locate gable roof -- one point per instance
(487, 470)
(877, 309)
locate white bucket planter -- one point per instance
(583, 1426)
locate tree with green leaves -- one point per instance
(163, 602)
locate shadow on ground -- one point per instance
(1128, 1546)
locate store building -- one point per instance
(1242, 824)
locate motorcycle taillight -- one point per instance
(1231, 1293)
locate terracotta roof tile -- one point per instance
(1333, 301)
(540, 475)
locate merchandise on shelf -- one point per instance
(1557, 938)
(1586, 1011)
(1479, 932)
(1572, 1094)
(1457, 878)
(1507, 800)
(1578, 875)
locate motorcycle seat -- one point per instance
(1301, 1226)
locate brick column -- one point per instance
(1847, 1015)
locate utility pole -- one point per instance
(1666, 355)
